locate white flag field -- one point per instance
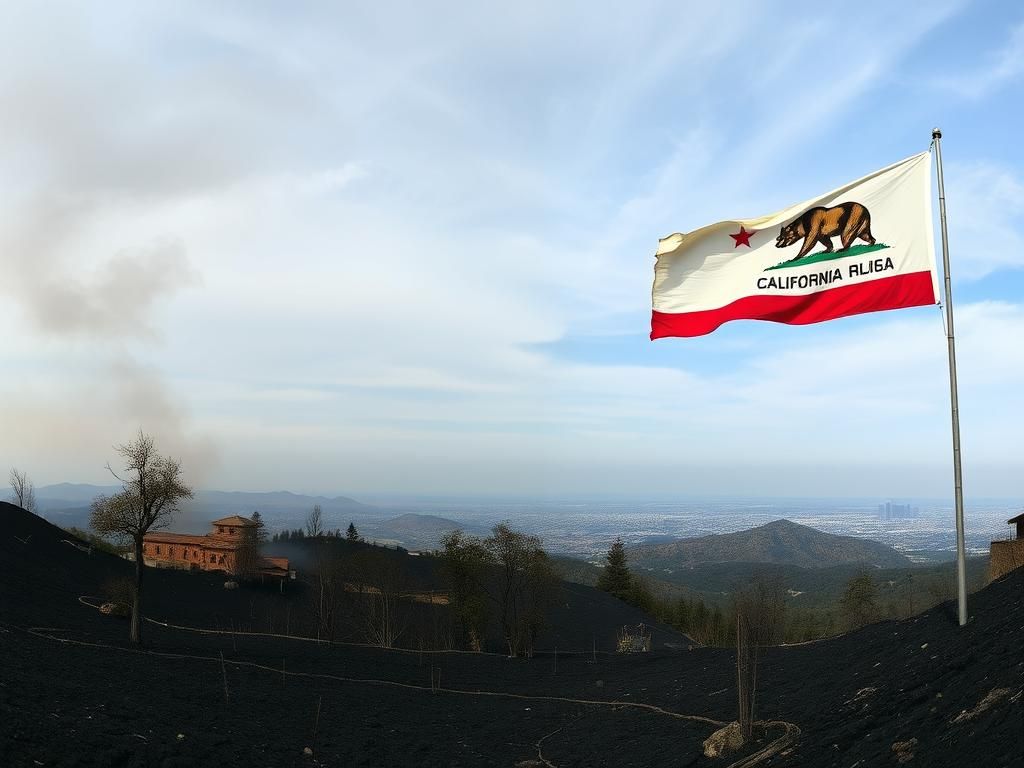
(865, 247)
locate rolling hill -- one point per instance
(780, 543)
(412, 531)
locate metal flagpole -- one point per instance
(958, 488)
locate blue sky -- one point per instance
(400, 248)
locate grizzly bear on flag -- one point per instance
(819, 225)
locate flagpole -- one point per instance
(958, 489)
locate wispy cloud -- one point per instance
(362, 231)
(1001, 68)
(986, 218)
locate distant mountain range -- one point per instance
(781, 542)
(67, 504)
(76, 494)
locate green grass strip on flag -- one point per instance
(856, 250)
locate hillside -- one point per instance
(412, 531)
(73, 693)
(43, 562)
(780, 542)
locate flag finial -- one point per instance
(936, 133)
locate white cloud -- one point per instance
(985, 217)
(346, 233)
(1002, 68)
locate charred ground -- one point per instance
(73, 693)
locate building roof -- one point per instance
(275, 563)
(175, 538)
(1018, 519)
(236, 520)
(209, 541)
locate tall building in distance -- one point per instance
(890, 511)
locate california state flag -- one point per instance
(864, 247)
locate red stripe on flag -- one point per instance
(913, 290)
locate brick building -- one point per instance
(214, 551)
(1005, 556)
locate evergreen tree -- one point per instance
(352, 534)
(682, 619)
(616, 578)
(698, 614)
(261, 528)
(860, 600)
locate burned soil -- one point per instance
(72, 692)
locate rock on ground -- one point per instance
(724, 740)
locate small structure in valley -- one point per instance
(1005, 556)
(219, 550)
(634, 639)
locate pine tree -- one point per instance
(682, 618)
(860, 600)
(615, 578)
(261, 528)
(352, 534)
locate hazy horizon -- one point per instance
(385, 497)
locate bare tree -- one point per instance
(151, 491)
(526, 585)
(24, 492)
(382, 601)
(464, 562)
(330, 575)
(315, 523)
(760, 621)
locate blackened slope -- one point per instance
(43, 570)
(587, 618)
(781, 542)
(582, 616)
(857, 695)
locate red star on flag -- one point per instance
(742, 238)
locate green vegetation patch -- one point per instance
(855, 250)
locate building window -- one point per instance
(158, 549)
(231, 530)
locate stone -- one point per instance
(120, 610)
(904, 750)
(724, 740)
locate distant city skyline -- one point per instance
(403, 249)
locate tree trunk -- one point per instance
(135, 633)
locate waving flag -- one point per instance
(864, 247)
